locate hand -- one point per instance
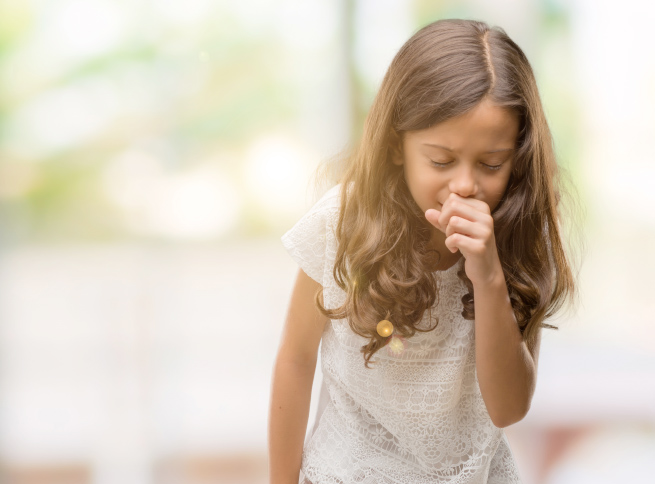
(469, 228)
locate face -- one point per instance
(470, 155)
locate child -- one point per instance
(426, 281)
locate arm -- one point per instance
(293, 376)
(506, 367)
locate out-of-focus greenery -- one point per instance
(205, 88)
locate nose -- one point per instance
(463, 181)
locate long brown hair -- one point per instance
(444, 70)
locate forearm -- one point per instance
(289, 410)
(505, 368)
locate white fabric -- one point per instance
(414, 418)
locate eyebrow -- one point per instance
(448, 149)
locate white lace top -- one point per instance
(417, 417)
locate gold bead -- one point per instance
(385, 328)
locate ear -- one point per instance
(396, 148)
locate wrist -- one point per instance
(494, 281)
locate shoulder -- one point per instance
(312, 239)
(331, 199)
(327, 208)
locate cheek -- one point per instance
(499, 188)
(496, 190)
(422, 184)
(413, 175)
(426, 178)
(434, 177)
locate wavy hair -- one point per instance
(444, 70)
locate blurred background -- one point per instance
(152, 153)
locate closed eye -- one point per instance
(490, 167)
(439, 164)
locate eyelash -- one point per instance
(490, 167)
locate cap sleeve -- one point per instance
(311, 241)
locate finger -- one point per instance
(460, 225)
(457, 207)
(452, 242)
(432, 216)
(481, 205)
(466, 245)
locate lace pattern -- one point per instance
(417, 417)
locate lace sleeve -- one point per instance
(307, 242)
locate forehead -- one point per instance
(486, 127)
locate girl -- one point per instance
(427, 274)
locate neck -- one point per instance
(447, 259)
(446, 262)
